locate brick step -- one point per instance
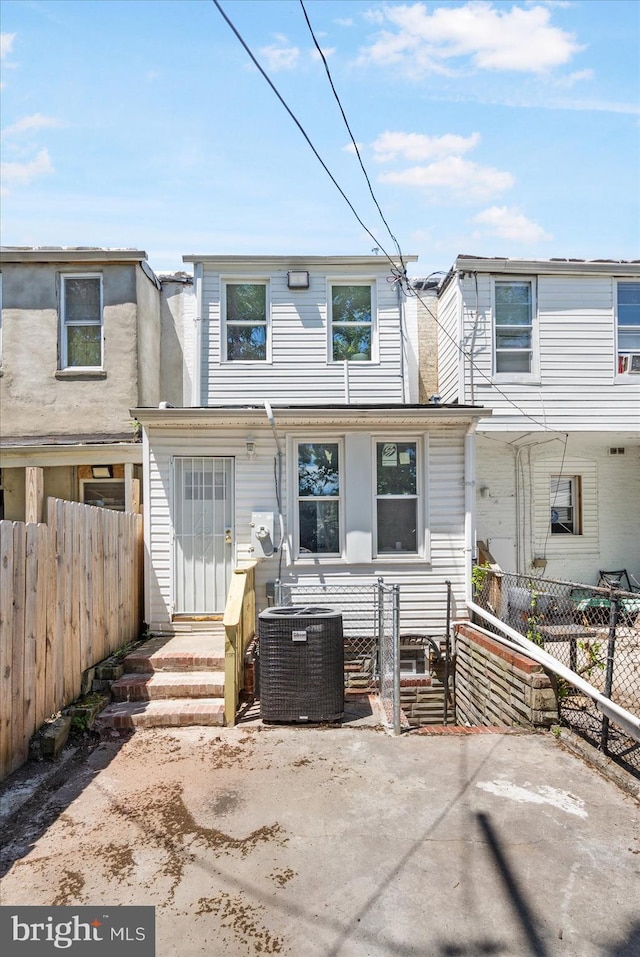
(166, 713)
(177, 653)
(168, 684)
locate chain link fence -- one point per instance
(593, 630)
(370, 617)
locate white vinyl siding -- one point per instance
(421, 578)
(576, 386)
(300, 371)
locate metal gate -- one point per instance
(371, 622)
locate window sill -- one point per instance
(502, 378)
(76, 375)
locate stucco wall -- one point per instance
(149, 342)
(35, 399)
(176, 303)
(59, 482)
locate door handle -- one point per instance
(228, 540)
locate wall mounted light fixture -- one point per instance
(102, 471)
(298, 279)
(250, 442)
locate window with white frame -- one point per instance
(81, 321)
(351, 322)
(513, 326)
(628, 322)
(318, 493)
(246, 321)
(397, 501)
(565, 504)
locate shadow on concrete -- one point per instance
(513, 888)
(629, 947)
(39, 792)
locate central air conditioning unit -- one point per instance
(630, 363)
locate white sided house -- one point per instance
(301, 445)
(553, 348)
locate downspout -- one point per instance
(469, 506)
(403, 341)
(196, 382)
(278, 481)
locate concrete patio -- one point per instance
(339, 841)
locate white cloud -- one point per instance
(350, 148)
(572, 78)
(280, 55)
(415, 147)
(507, 222)
(34, 122)
(21, 174)
(520, 39)
(464, 179)
(327, 51)
(6, 44)
(344, 21)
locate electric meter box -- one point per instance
(262, 534)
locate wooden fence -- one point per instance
(70, 595)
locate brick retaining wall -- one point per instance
(495, 686)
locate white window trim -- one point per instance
(559, 546)
(423, 549)
(626, 377)
(64, 325)
(249, 281)
(576, 505)
(353, 281)
(515, 377)
(313, 558)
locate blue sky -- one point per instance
(499, 129)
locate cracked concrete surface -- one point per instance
(341, 841)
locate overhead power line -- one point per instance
(402, 277)
(353, 139)
(301, 128)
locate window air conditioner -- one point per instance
(631, 363)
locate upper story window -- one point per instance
(81, 321)
(319, 498)
(513, 326)
(351, 322)
(246, 321)
(397, 499)
(628, 303)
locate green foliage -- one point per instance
(533, 620)
(479, 575)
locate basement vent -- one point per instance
(616, 450)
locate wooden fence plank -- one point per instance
(29, 685)
(41, 623)
(17, 651)
(67, 610)
(98, 620)
(52, 610)
(6, 642)
(69, 596)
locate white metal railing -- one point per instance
(630, 723)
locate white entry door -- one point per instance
(203, 511)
